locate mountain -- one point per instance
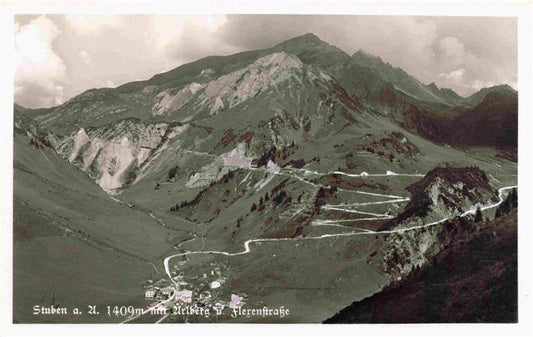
(274, 172)
(496, 118)
(491, 122)
(484, 259)
(447, 94)
(406, 83)
(180, 93)
(444, 192)
(503, 90)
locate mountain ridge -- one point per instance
(291, 157)
(406, 82)
(240, 59)
(300, 88)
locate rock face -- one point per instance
(237, 87)
(219, 167)
(234, 88)
(444, 193)
(116, 154)
(393, 145)
(171, 102)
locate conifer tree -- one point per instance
(479, 216)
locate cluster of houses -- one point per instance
(161, 290)
(158, 293)
(185, 296)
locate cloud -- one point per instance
(454, 52)
(198, 39)
(425, 47)
(477, 84)
(404, 41)
(93, 51)
(40, 72)
(91, 25)
(454, 76)
(105, 83)
(86, 58)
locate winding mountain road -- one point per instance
(325, 236)
(342, 207)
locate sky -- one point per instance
(60, 56)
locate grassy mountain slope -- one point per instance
(290, 142)
(472, 281)
(73, 244)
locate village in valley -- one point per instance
(199, 295)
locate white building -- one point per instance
(149, 293)
(184, 296)
(236, 301)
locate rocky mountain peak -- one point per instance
(503, 90)
(279, 59)
(433, 86)
(445, 192)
